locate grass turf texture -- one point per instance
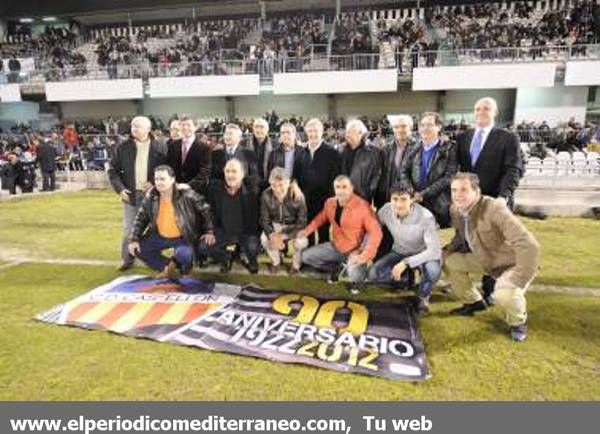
(471, 358)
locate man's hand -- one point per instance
(398, 270)
(125, 196)
(296, 192)
(183, 186)
(134, 248)
(148, 186)
(355, 259)
(418, 197)
(301, 234)
(276, 240)
(209, 239)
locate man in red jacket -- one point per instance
(356, 235)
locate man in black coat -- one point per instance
(131, 174)
(430, 168)
(288, 155)
(494, 155)
(316, 177)
(261, 144)
(189, 158)
(394, 157)
(234, 208)
(360, 162)
(46, 158)
(232, 138)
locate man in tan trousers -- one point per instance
(490, 240)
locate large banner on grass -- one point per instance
(373, 338)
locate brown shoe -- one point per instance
(293, 271)
(169, 272)
(273, 269)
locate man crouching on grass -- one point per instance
(169, 218)
(490, 240)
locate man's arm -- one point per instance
(512, 167)
(374, 234)
(433, 249)
(114, 172)
(437, 187)
(200, 182)
(142, 220)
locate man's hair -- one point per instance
(187, 117)
(236, 128)
(314, 121)
(407, 118)
(165, 168)
(400, 189)
(436, 117)
(491, 101)
(262, 122)
(357, 124)
(341, 178)
(236, 162)
(471, 177)
(146, 121)
(288, 125)
(278, 174)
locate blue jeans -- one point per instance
(151, 248)
(326, 257)
(381, 272)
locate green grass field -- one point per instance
(470, 359)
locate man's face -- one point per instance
(259, 130)
(428, 129)
(139, 130)
(485, 113)
(343, 190)
(280, 188)
(313, 134)
(463, 194)
(401, 204)
(353, 137)
(187, 128)
(231, 138)
(233, 175)
(402, 131)
(175, 130)
(287, 138)
(163, 181)
(12, 159)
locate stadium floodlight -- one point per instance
(49, 19)
(26, 20)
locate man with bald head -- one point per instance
(494, 155)
(131, 174)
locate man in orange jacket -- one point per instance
(356, 235)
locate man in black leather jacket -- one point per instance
(360, 162)
(169, 218)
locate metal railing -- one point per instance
(403, 61)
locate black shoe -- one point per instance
(422, 306)
(334, 276)
(251, 265)
(469, 309)
(225, 267)
(487, 286)
(125, 265)
(489, 300)
(355, 288)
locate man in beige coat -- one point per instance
(489, 239)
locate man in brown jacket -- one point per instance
(489, 239)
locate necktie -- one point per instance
(184, 152)
(476, 144)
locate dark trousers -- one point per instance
(323, 231)
(151, 248)
(225, 244)
(48, 181)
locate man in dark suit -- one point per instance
(261, 144)
(232, 138)
(494, 155)
(190, 158)
(316, 178)
(46, 158)
(288, 155)
(395, 155)
(131, 174)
